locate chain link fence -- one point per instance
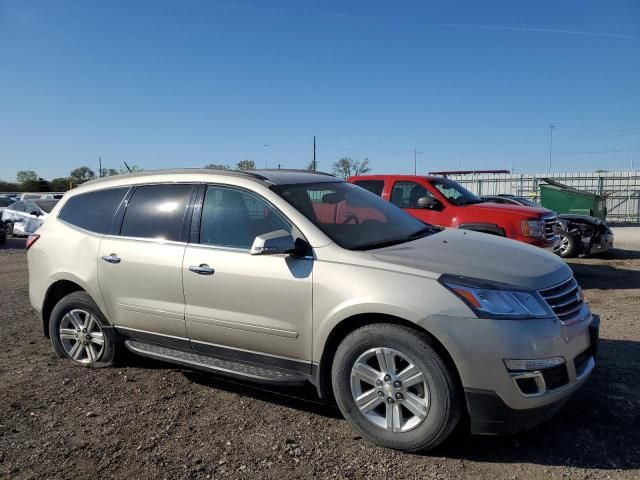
(621, 189)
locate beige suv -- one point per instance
(285, 277)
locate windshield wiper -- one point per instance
(429, 229)
(422, 232)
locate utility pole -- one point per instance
(551, 127)
(415, 161)
(314, 153)
(266, 160)
(99, 167)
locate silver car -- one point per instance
(25, 216)
(284, 277)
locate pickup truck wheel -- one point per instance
(79, 332)
(567, 244)
(8, 228)
(394, 388)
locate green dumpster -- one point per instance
(564, 199)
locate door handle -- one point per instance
(112, 258)
(202, 269)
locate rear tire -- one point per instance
(79, 332)
(411, 403)
(8, 228)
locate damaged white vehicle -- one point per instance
(25, 217)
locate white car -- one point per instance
(25, 217)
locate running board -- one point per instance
(233, 368)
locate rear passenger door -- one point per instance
(234, 300)
(140, 262)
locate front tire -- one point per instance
(80, 332)
(567, 246)
(394, 388)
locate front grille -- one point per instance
(550, 227)
(565, 299)
(581, 361)
(555, 377)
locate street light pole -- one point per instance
(551, 127)
(415, 161)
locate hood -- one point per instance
(585, 218)
(479, 255)
(519, 210)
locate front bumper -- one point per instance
(490, 415)
(547, 244)
(601, 244)
(496, 402)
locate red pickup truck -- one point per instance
(440, 201)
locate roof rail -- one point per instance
(291, 170)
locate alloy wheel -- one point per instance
(389, 389)
(564, 245)
(81, 336)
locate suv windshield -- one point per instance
(454, 192)
(353, 217)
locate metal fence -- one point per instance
(621, 189)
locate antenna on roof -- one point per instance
(128, 168)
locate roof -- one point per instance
(274, 177)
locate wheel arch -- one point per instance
(322, 371)
(56, 291)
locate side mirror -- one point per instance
(273, 243)
(35, 213)
(428, 202)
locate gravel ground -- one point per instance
(150, 420)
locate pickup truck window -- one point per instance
(374, 186)
(406, 194)
(454, 192)
(353, 217)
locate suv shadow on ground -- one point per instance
(605, 276)
(595, 429)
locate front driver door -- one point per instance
(260, 304)
(405, 194)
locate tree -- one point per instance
(109, 172)
(82, 174)
(28, 180)
(311, 167)
(216, 166)
(60, 184)
(131, 169)
(246, 165)
(42, 185)
(346, 167)
(24, 176)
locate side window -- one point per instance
(407, 194)
(30, 208)
(18, 207)
(234, 218)
(156, 211)
(93, 211)
(374, 186)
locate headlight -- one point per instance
(493, 300)
(532, 228)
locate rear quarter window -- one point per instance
(93, 211)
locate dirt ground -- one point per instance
(149, 420)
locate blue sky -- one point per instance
(172, 83)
